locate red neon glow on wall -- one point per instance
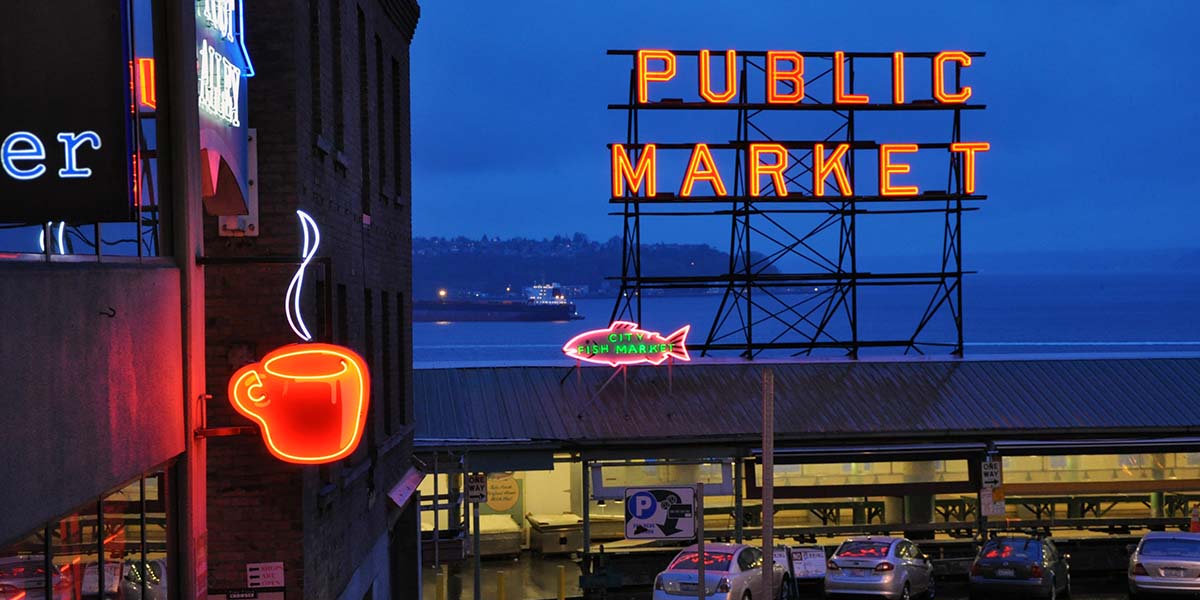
(146, 82)
(624, 343)
(310, 400)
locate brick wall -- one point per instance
(321, 521)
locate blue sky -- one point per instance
(1092, 111)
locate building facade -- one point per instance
(101, 303)
(329, 111)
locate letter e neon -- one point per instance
(33, 150)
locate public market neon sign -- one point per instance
(309, 399)
(624, 343)
(785, 85)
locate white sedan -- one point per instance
(731, 572)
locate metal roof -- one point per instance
(815, 400)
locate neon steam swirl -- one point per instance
(291, 300)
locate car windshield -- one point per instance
(713, 561)
(864, 549)
(16, 569)
(1171, 547)
(1012, 549)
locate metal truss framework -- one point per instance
(758, 310)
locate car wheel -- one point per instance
(1053, 590)
(930, 592)
(906, 593)
(785, 588)
(1067, 590)
(746, 596)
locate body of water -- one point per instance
(1004, 314)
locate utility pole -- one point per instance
(768, 483)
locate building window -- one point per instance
(343, 319)
(385, 329)
(380, 134)
(398, 87)
(115, 546)
(369, 356)
(314, 67)
(401, 372)
(339, 101)
(364, 118)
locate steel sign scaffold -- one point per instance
(793, 187)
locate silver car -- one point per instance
(1165, 563)
(879, 566)
(731, 572)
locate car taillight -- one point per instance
(975, 570)
(723, 586)
(658, 584)
(832, 566)
(1035, 571)
(1138, 569)
(885, 566)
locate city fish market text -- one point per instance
(623, 343)
(635, 169)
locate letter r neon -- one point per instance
(71, 143)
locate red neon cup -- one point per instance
(309, 399)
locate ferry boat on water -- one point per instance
(543, 302)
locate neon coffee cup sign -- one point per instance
(309, 399)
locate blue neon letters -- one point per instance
(25, 146)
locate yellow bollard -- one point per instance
(443, 585)
(500, 585)
(562, 582)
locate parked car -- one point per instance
(731, 572)
(24, 577)
(890, 567)
(152, 574)
(1165, 562)
(1020, 566)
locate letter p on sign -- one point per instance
(643, 505)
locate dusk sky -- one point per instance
(1092, 110)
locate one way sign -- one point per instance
(660, 513)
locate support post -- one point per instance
(474, 538)
(768, 484)
(586, 509)
(698, 514)
(738, 511)
(437, 499)
(562, 582)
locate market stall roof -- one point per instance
(816, 401)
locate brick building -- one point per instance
(330, 106)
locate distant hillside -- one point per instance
(491, 265)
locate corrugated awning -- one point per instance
(848, 402)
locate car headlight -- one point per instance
(658, 584)
(723, 586)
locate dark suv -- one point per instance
(1020, 566)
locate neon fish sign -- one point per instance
(624, 343)
(309, 399)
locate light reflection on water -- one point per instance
(1004, 314)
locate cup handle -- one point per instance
(248, 385)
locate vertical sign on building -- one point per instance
(991, 491)
(223, 67)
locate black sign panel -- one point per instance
(65, 104)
